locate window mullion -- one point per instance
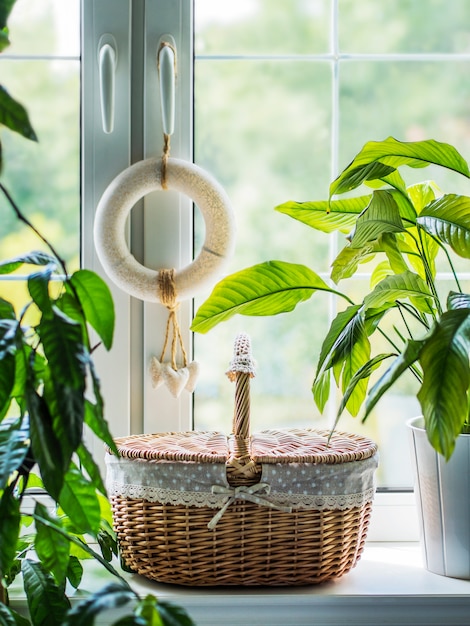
(167, 215)
(103, 156)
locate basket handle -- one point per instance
(240, 467)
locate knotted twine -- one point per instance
(168, 297)
(165, 157)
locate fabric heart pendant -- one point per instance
(175, 379)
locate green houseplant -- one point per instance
(408, 230)
(49, 393)
(404, 227)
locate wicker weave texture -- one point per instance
(251, 545)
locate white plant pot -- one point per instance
(442, 491)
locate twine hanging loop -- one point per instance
(167, 372)
(168, 298)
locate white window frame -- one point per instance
(158, 237)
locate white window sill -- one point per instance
(388, 586)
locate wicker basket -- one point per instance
(281, 507)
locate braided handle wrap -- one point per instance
(241, 470)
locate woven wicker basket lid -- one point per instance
(269, 446)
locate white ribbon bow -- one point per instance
(254, 493)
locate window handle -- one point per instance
(107, 61)
(166, 63)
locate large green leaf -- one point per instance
(7, 310)
(172, 614)
(321, 389)
(402, 362)
(345, 331)
(9, 529)
(74, 571)
(326, 216)
(38, 287)
(358, 175)
(265, 289)
(6, 616)
(393, 252)
(108, 545)
(376, 156)
(363, 373)
(347, 261)
(448, 218)
(4, 43)
(8, 336)
(31, 258)
(14, 116)
(14, 445)
(48, 605)
(446, 379)
(62, 341)
(457, 300)
(405, 205)
(398, 287)
(97, 303)
(394, 180)
(79, 501)
(51, 547)
(353, 360)
(5, 10)
(423, 194)
(94, 413)
(7, 381)
(407, 244)
(111, 596)
(161, 613)
(47, 449)
(382, 215)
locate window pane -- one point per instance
(272, 132)
(262, 27)
(262, 129)
(410, 100)
(403, 26)
(49, 27)
(43, 177)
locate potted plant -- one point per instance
(49, 392)
(405, 228)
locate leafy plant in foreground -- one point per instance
(49, 391)
(404, 227)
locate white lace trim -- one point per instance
(202, 499)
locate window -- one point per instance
(43, 72)
(279, 98)
(285, 96)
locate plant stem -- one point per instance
(412, 311)
(25, 220)
(404, 320)
(429, 276)
(449, 260)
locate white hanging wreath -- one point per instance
(126, 190)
